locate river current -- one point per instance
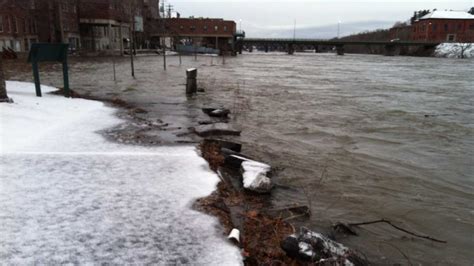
(355, 137)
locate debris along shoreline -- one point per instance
(241, 204)
(241, 200)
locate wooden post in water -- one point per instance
(113, 64)
(191, 81)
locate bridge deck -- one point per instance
(334, 42)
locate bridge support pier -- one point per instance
(390, 50)
(266, 48)
(340, 49)
(251, 49)
(316, 49)
(291, 49)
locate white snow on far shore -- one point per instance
(67, 196)
(454, 50)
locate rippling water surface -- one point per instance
(366, 137)
(394, 136)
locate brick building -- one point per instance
(58, 21)
(18, 26)
(23, 22)
(444, 26)
(208, 32)
(104, 24)
(107, 24)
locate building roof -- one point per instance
(438, 14)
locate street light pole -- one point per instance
(294, 31)
(428, 31)
(338, 29)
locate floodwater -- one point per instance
(356, 137)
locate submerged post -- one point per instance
(191, 81)
(390, 50)
(291, 49)
(340, 49)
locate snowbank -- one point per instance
(454, 50)
(69, 196)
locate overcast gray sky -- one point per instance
(262, 15)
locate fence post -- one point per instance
(191, 81)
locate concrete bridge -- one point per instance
(291, 44)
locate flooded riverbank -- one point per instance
(369, 137)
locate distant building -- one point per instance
(104, 24)
(18, 25)
(58, 21)
(23, 22)
(444, 26)
(208, 32)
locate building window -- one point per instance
(435, 27)
(225, 28)
(471, 27)
(446, 27)
(1, 23)
(25, 26)
(216, 28)
(205, 28)
(459, 26)
(15, 25)
(9, 23)
(192, 28)
(181, 27)
(451, 37)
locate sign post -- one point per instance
(49, 52)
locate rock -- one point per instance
(216, 112)
(315, 247)
(216, 129)
(290, 246)
(254, 175)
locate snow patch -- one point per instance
(255, 176)
(454, 50)
(445, 14)
(67, 196)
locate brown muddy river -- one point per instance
(357, 137)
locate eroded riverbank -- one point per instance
(369, 136)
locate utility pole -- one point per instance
(132, 29)
(169, 9)
(338, 29)
(60, 18)
(163, 42)
(294, 31)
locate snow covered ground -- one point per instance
(454, 50)
(69, 196)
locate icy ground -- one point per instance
(454, 50)
(69, 196)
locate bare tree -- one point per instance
(462, 50)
